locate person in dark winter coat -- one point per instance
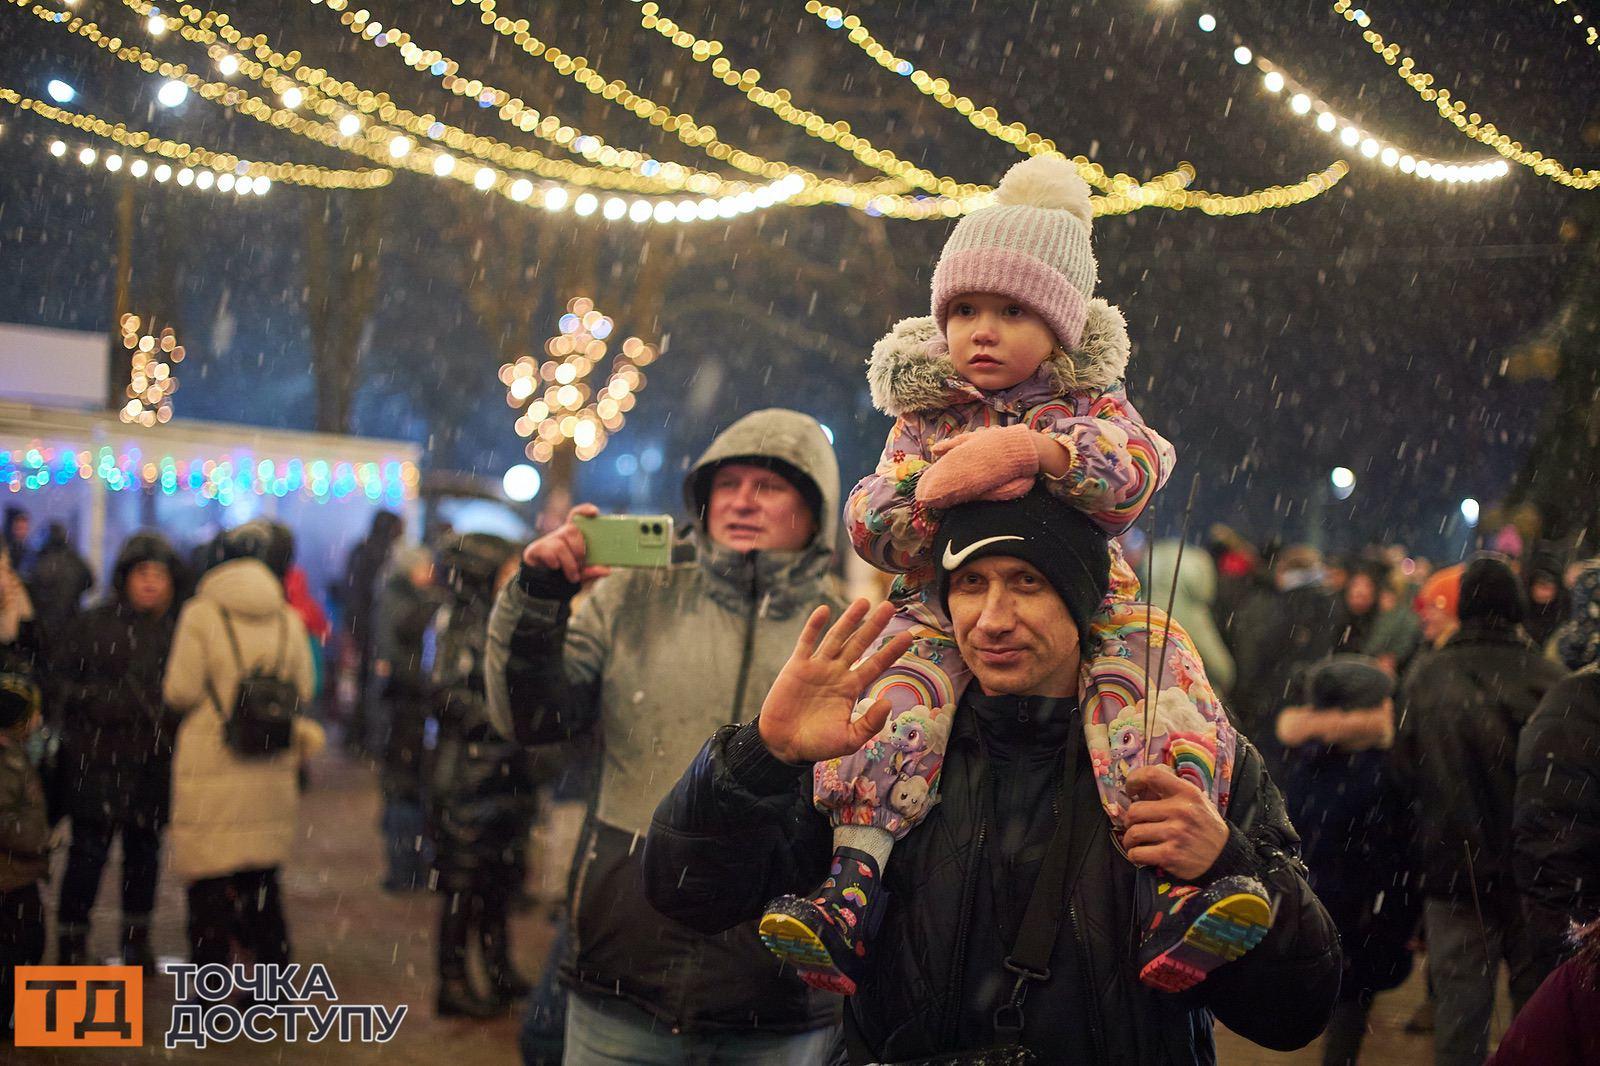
(18, 528)
(115, 760)
(962, 964)
(1342, 800)
(1557, 816)
(481, 795)
(1278, 632)
(57, 581)
(1462, 711)
(1577, 642)
(1560, 1025)
(24, 839)
(651, 662)
(1549, 602)
(405, 611)
(363, 572)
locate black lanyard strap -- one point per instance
(1035, 941)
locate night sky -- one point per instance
(1366, 328)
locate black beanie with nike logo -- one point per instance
(1053, 537)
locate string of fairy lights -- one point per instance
(370, 124)
(1591, 36)
(301, 86)
(1306, 103)
(382, 144)
(1457, 112)
(191, 156)
(220, 182)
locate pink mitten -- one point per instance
(978, 465)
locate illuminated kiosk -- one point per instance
(63, 457)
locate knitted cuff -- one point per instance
(1238, 858)
(754, 766)
(544, 584)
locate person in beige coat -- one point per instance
(234, 818)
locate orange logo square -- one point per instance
(79, 1006)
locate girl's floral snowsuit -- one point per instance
(1117, 464)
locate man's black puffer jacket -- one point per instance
(738, 829)
(1557, 819)
(1461, 711)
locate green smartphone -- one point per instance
(638, 540)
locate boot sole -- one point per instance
(793, 941)
(1229, 928)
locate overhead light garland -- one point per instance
(663, 176)
(1125, 192)
(35, 465)
(300, 85)
(222, 182)
(1307, 104)
(152, 373)
(386, 145)
(187, 155)
(1455, 110)
(1591, 36)
(568, 409)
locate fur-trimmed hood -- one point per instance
(910, 369)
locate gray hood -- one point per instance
(786, 437)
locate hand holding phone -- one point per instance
(564, 549)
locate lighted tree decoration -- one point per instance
(568, 411)
(152, 372)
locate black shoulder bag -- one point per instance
(265, 705)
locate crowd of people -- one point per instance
(180, 712)
(1060, 788)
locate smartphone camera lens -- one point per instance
(656, 529)
(644, 527)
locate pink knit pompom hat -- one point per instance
(1032, 245)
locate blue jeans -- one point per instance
(406, 845)
(609, 1032)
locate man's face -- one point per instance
(149, 587)
(755, 509)
(1543, 591)
(1437, 623)
(1013, 629)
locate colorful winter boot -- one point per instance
(1190, 930)
(824, 935)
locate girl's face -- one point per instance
(995, 342)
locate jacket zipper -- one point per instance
(1093, 1008)
(736, 714)
(962, 935)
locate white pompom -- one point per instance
(1046, 181)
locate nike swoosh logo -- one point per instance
(953, 560)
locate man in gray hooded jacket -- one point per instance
(656, 661)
